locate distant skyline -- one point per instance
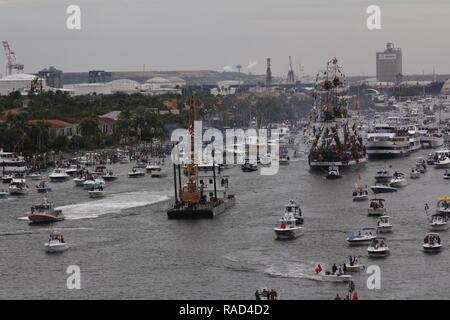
(165, 35)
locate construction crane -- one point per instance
(11, 61)
(290, 75)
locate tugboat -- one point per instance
(45, 212)
(335, 142)
(56, 243)
(196, 199)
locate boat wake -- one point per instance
(112, 204)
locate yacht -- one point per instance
(58, 175)
(386, 141)
(414, 138)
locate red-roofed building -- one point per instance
(58, 127)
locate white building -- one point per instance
(125, 86)
(226, 87)
(19, 82)
(160, 86)
(80, 89)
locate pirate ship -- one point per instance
(203, 195)
(335, 141)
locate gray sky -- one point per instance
(121, 35)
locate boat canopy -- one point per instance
(377, 199)
(444, 198)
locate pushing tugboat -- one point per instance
(201, 197)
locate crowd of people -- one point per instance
(268, 294)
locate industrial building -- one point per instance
(20, 82)
(389, 64)
(53, 77)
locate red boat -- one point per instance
(45, 212)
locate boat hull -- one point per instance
(44, 218)
(207, 212)
(288, 234)
(439, 227)
(55, 248)
(431, 249)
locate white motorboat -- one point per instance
(443, 205)
(333, 173)
(124, 160)
(93, 182)
(383, 176)
(376, 207)
(378, 248)
(284, 160)
(327, 276)
(288, 228)
(35, 176)
(18, 186)
(446, 175)
(136, 173)
(79, 181)
(158, 173)
(399, 180)
(96, 192)
(153, 166)
(382, 189)
(43, 188)
(58, 175)
(442, 162)
(363, 236)
(354, 265)
(432, 243)
(56, 243)
(439, 223)
(414, 174)
(360, 193)
(72, 169)
(110, 176)
(384, 225)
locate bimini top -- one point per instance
(444, 198)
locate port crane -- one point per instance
(11, 61)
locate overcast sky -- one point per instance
(123, 35)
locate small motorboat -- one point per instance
(4, 194)
(109, 176)
(43, 188)
(58, 175)
(35, 176)
(384, 225)
(158, 173)
(124, 160)
(438, 222)
(421, 165)
(378, 248)
(136, 173)
(73, 169)
(288, 228)
(446, 175)
(333, 173)
(18, 187)
(383, 176)
(443, 162)
(354, 265)
(431, 160)
(284, 160)
(45, 212)
(376, 207)
(153, 166)
(414, 174)
(93, 181)
(398, 181)
(382, 188)
(336, 275)
(79, 181)
(443, 205)
(56, 243)
(364, 236)
(360, 193)
(432, 243)
(96, 192)
(249, 167)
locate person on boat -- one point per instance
(100, 188)
(344, 268)
(61, 239)
(355, 296)
(318, 269)
(347, 297)
(351, 286)
(334, 268)
(337, 297)
(257, 295)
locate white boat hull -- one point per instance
(56, 247)
(438, 226)
(288, 233)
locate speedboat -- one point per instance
(4, 194)
(363, 236)
(158, 173)
(18, 186)
(72, 170)
(288, 228)
(443, 162)
(58, 175)
(153, 166)
(43, 188)
(376, 207)
(136, 173)
(93, 181)
(56, 243)
(378, 248)
(383, 176)
(124, 160)
(443, 205)
(399, 180)
(432, 242)
(384, 225)
(109, 176)
(45, 212)
(360, 193)
(249, 167)
(354, 265)
(35, 176)
(382, 189)
(336, 276)
(438, 223)
(414, 174)
(96, 192)
(446, 175)
(79, 181)
(333, 173)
